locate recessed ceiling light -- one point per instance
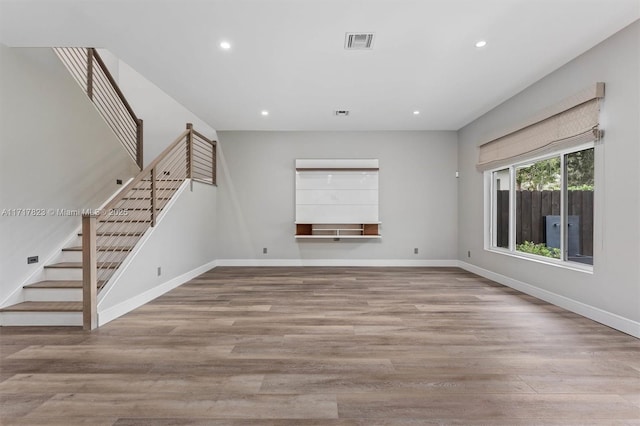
(264, 112)
(225, 45)
(416, 112)
(481, 43)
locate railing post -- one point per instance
(153, 196)
(189, 150)
(139, 140)
(90, 52)
(89, 273)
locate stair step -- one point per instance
(56, 284)
(59, 284)
(142, 197)
(171, 187)
(78, 265)
(120, 248)
(66, 314)
(128, 221)
(44, 307)
(117, 234)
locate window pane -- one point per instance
(538, 208)
(501, 182)
(579, 169)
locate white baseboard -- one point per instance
(120, 309)
(604, 317)
(337, 262)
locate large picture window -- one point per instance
(544, 208)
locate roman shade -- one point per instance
(572, 122)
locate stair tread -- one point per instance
(116, 234)
(118, 248)
(144, 197)
(78, 265)
(60, 284)
(132, 222)
(44, 307)
(56, 284)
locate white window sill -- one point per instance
(573, 266)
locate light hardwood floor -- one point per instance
(326, 346)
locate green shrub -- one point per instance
(540, 249)
(581, 188)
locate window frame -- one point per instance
(491, 213)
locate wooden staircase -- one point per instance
(66, 291)
(57, 298)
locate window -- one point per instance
(544, 208)
(539, 179)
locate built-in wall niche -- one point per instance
(337, 198)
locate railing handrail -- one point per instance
(201, 136)
(90, 71)
(106, 71)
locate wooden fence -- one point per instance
(533, 206)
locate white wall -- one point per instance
(614, 286)
(183, 244)
(417, 195)
(164, 118)
(56, 152)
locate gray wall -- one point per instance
(55, 152)
(164, 118)
(417, 193)
(614, 285)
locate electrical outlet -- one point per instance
(32, 259)
(159, 270)
(118, 181)
(468, 253)
(264, 250)
(415, 250)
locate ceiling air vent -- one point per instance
(358, 41)
(342, 113)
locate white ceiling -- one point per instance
(288, 56)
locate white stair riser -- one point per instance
(62, 274)
(68, 274)
(139, 202)
(122, 227)
(70, 256)
(111, 256)
(52, 294)
(110, 241)
(132, 215)
(41, 318)
(160, 186)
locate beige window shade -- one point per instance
(572, 122)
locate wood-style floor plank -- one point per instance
(330, 347)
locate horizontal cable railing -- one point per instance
(115, 230)
(203, 158)
(91, 73)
